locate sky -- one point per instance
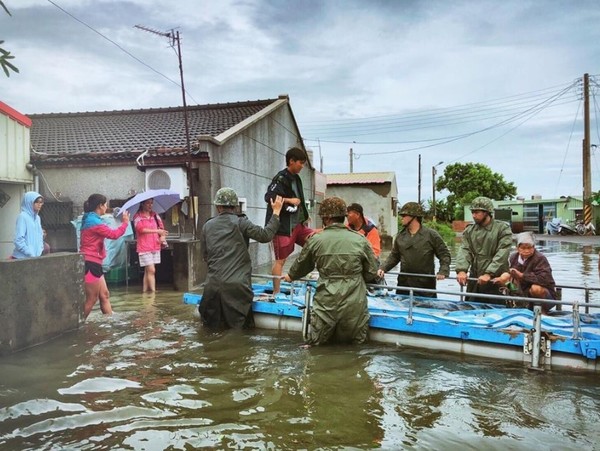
(491, 82)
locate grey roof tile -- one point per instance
(124, 134)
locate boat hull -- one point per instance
(453, 327)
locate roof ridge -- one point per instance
(208, 106)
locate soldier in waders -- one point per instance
(346, 263)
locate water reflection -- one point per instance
(151, 378)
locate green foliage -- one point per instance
(442, 213)
(470, 180)
(444, 229)
(5, 54)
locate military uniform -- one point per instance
(345, 262)
(416, 253)
(227, 297)
(484, 250)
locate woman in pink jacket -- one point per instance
(151, 237)
(93, 233)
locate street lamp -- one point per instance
(433, 172)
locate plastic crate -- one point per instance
(117, 275)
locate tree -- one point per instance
(470, 180)
(4, 54)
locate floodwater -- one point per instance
(150, 378)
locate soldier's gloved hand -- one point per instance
(292, 209)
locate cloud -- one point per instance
(338, 60)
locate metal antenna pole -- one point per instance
(174, 37)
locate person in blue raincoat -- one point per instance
(29, 237)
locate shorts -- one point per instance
(93, 272)
(149, 258)
(284, 245)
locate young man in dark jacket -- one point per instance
(294, 215)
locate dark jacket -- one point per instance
(484, 250)
(416, 255)
(536, 270)
(281, 185)
(227, 298)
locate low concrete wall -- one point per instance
(40, 299)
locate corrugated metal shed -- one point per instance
(14, 146)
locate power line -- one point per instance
(118, 46)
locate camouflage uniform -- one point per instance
(345, 262)
(416, 253)
(484, 250)
(227, 297)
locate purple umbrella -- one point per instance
(163, 200)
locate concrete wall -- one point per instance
(377, 205)
(40, 299)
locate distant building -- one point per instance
(377, 192)
(532, 214)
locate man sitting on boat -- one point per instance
(484, 250)
(415, 248)
(346, 263)
(530, 272)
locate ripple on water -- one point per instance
(99, 385)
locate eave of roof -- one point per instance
(15, 115)
(353, 178)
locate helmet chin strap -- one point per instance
(412, 218)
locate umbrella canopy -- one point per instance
(163, 200)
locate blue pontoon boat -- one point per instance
(568, 338)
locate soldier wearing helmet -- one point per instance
(294, 216)
(227, 299)
(484, 250)
(346, 263)
(415, 248)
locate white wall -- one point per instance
(8, 216)
(376, 206)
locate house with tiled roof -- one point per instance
(377, 192)
(119, 153)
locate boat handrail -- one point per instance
(460, 294)
(574, 287)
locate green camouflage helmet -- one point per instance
(226, 197)
(412, 209)
(483, 204)
(332, 207)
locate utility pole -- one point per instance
(174, 37)
(419, 183)
(433, 172)
(351, 160)
(587, 172)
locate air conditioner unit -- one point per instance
(174, 179)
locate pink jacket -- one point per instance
(147, 242)
(93, 233)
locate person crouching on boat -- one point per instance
(346, 262)
(227, 299)
(530, 271)
(415, 248)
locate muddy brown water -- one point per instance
(150, 378)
